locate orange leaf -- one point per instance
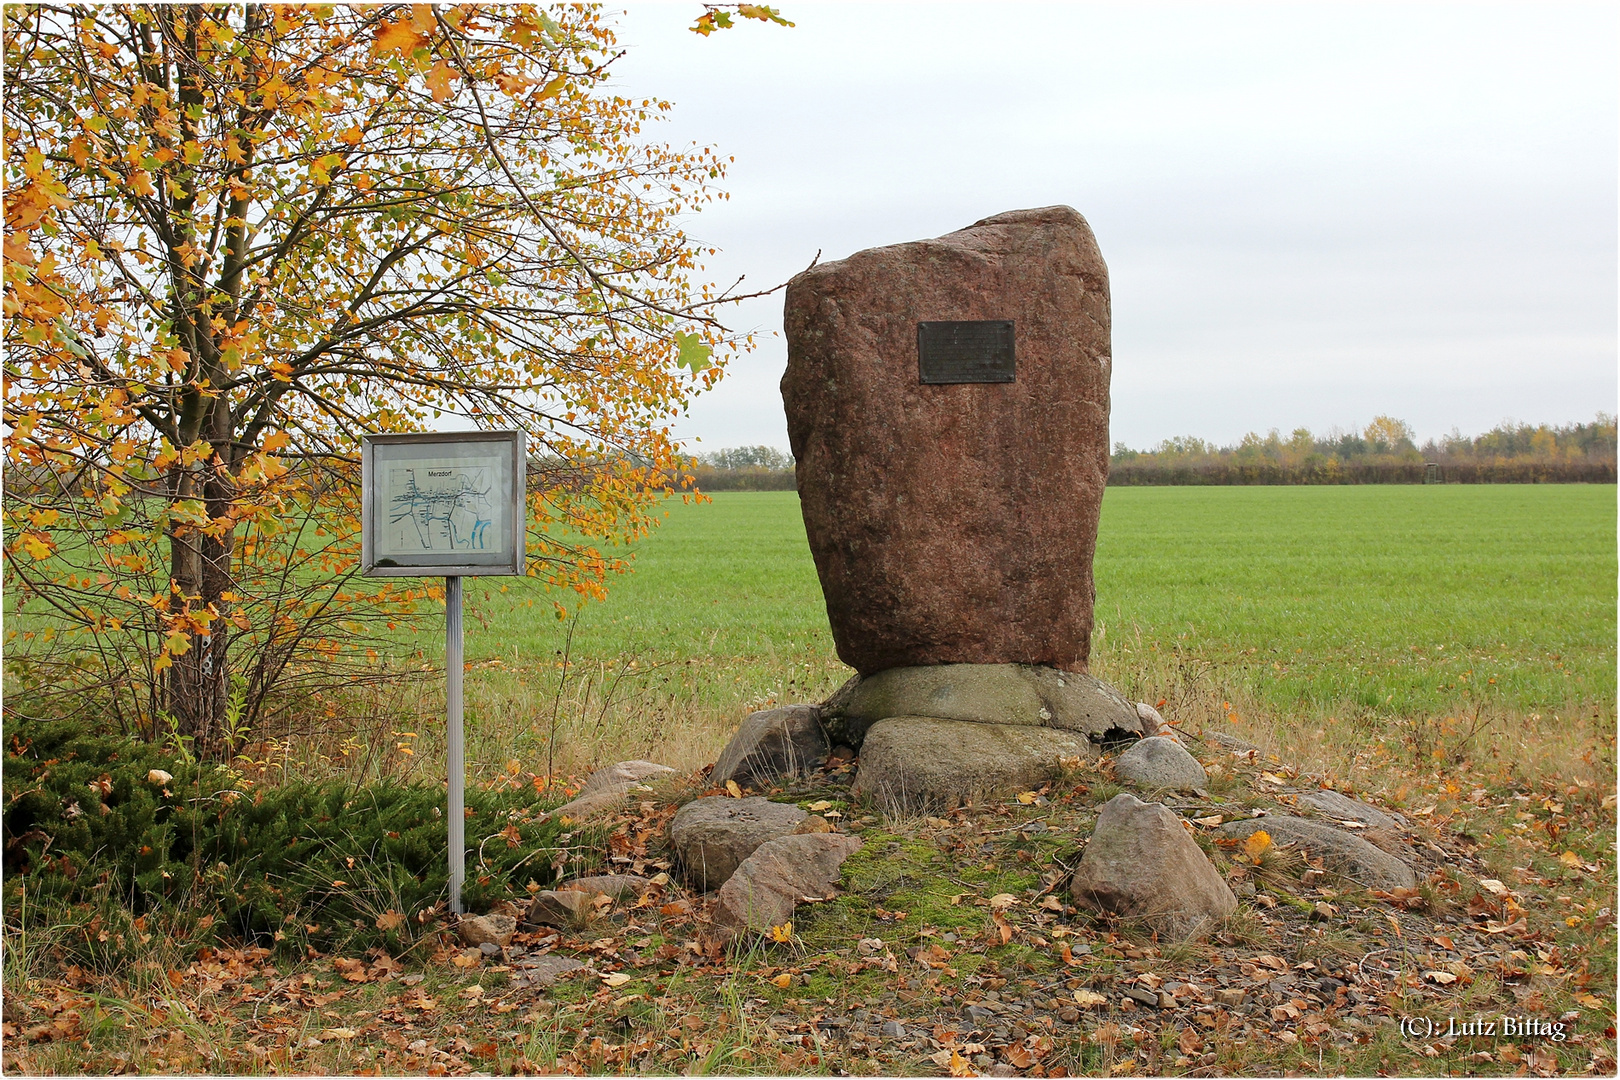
(438, 80)
(399, 37)
(1258, 843)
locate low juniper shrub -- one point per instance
(103, 831)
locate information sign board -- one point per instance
(442, 505)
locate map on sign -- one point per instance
(443, 507)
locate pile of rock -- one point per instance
(947, 405)
(763, 857)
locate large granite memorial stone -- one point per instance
(947, 404)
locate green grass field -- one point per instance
(1298, 605)
(1396, 600)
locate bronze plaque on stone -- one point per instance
(965, 352)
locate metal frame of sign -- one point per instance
(379, 559)
(448, 455)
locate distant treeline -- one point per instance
(744, 468)
(1385, 452)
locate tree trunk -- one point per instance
(199, 682)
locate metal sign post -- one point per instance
(450, 505)
(453, 740)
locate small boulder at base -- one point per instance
(602, 801)
(617, 886)
(925, 763)
(1341, 852)
(497, 930)
(1159, 763)
(1343, 808)
(1152, 723)
(622, 775)
(607, 790)
(1141, 863)
(712, 836)
(560, 907)
(770, 883)
(543, 970)
(788, 741)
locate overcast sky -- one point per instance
(1312, 214)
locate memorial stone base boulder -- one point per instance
(1027, 695)
(942, 734)
(924, 763)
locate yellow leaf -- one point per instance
(1444, 978)
(617, 978)
(783, 932)
(960, 1066)
(339, 1033)
(819, 805)
(350, 136)
(1028, 798)
(1569, 858)
(783, 980)
(37, 546)
(553, 88)
(1591, 1001)
(733, 790)
(1087, 999)
(1002, 901)
(1258, 843)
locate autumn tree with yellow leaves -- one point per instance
(238, 238)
